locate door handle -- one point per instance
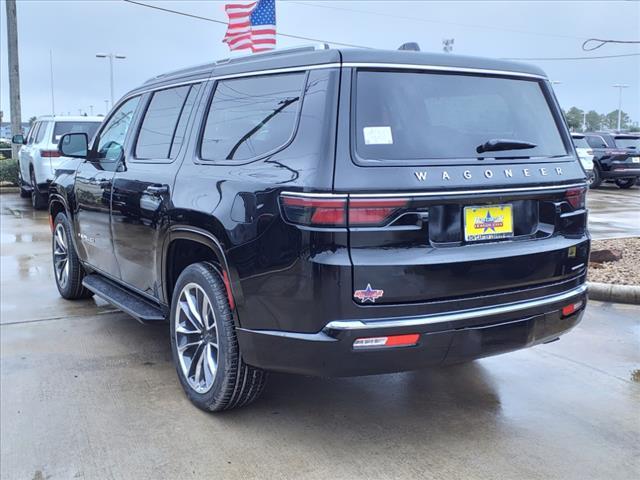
(157, 189)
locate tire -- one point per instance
(38, 200)
(597, 177)
(231, 383)
(67, 269)
(625, 182)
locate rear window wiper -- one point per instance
(498, 144)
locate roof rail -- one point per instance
(273, 53)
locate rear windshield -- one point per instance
(580, 142)
(628, 142)
(62, 128)
(413, 116)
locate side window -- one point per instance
(160, 123)
(250, 117)
(181, 128)
(32, 133)
(596, 142)
(41, 131)
(114, 132)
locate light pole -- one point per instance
(106, 107)
(110, 56)
(91, 109)
(620, 86)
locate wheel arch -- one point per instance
(209, 241)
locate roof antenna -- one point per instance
(413, 46)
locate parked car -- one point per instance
(39, 157)
(616, 158)
(585, 154)
(329, 212)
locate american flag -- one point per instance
(252, 24)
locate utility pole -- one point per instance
(110, 56)
(584, 121)
(14, 73)
(106, 107)
(620, 86)
(91, 109)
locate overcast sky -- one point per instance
(155, 42)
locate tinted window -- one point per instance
(628, 142)
(580, 142)
(596, 142)
(411, 116)
(42, 129)
(250, 117)
(178, 138)
(160, 121)
(62, 128)
(114, 133)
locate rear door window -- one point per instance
(62, 128)
(416, 116)
(251, 117)
(580, 142)
(162, 121)
(42, 130)
(596, 142)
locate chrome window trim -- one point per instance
(454, 316)
(433, 194)
(301, 68)
(443, 68)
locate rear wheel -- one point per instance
(204, 344)
(66, 266)
(625, 182)
(38, 200)
(596, 177)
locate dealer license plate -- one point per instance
(489, 222)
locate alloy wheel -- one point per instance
(196, 337)
(61, 255)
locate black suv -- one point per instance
(329, 212)
(616, 157)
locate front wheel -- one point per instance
(625, 182)
(204, 344)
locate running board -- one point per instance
(135, 305)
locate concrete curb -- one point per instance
(8, 189)
(609, 292)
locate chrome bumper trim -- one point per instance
(454, 316)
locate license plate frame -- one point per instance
(498, 218)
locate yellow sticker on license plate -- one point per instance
(490, 222)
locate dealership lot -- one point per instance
(88, 392)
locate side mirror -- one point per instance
(75, 145)
(19, 139)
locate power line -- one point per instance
(221, 22)
(424, 20)
(577, 58)
(600, 42)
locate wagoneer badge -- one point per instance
(368, 294)
(488, 173)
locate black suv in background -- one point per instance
(329, 212)
(616, 156)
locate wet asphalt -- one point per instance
(87, 392)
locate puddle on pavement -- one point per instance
(25, 237)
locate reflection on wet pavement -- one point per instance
(614, 212)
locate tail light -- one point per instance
(339, 211)
(572, 308)
(576, 197)
(49, 153)
(390, 341)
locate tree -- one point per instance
(574, 119)
(32, 120)
(593, 120)
(611, 120)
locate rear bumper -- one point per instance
(444, 338)
(621, 172)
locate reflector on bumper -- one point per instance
(390, 341)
